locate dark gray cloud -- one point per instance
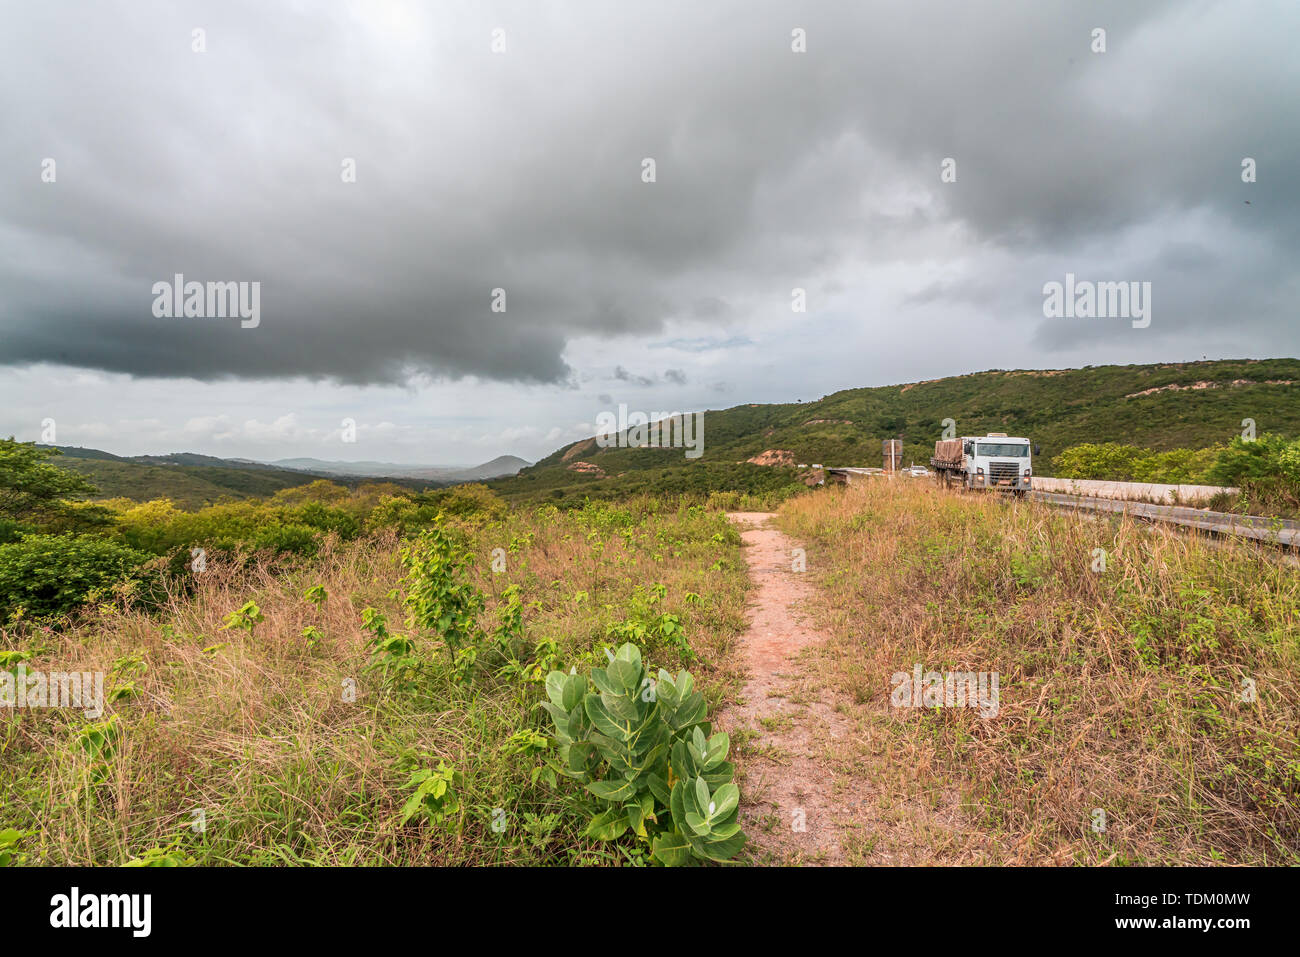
(622, 375)
(522, 171)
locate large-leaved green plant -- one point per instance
(643, 751)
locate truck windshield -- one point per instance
(1001, 450)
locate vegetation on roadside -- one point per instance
(1149, 681)
(272, 711)
(1117, 462)
(1265, 469)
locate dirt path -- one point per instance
(805, 801)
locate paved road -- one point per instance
(1276, 530)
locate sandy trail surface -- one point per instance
(802, 796)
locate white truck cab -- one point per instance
(995, 461)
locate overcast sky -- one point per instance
(521, 168)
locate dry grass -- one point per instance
(1119, 690)
(254, 729)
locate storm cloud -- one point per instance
(521, 170)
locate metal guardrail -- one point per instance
(1277, 531)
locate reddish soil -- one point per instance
(773, 457)
(801, 790)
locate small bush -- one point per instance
(294, 539)
(51, 574)
(326, 518)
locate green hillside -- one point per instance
(192, 486)
(1193, 405)
(187, 486)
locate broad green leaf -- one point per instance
(616, 790)
(625, 674)
(622, 707)
(671, 850)
(722, 850)
(699, 743)
(701, 796)
(677, 804)
(631, 654)
(556, 683)
(696, 823)
(725, 800)
(575, 687)
(659, 788)
(604, 722)
(636, 819)
(721, 831)
(558, 715)
(607, 825)
(604, 684)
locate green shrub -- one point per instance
(1114, 462)
(51, 574)
(294, 539)
(467, 500)
(1268, 459)
(1267, 470)
(641, 750)
(327, 518)
(155, 526)
(402, 513)
(1176, 466)
(1109, 461)
(321, 490)
(438, 597)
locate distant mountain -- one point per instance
(499, 467)
(192, 480)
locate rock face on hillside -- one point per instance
(578, 448)
(773, 457)
(1197, 386)
(586, 468)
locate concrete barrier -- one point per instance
(1132, 491)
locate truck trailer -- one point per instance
(995, 461)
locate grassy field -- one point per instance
(1149, 709)
(249, 730)
(287, 708)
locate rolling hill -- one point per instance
(1159, 406)
(192, 480)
